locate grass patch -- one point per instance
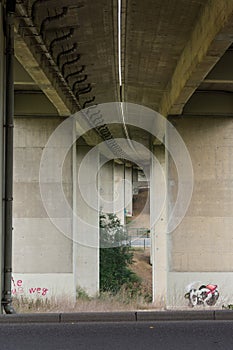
(124, 300)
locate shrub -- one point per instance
(115, 256)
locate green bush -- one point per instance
(115, 257)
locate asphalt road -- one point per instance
(176, 335)
(189, 335)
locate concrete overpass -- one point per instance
(173, 57)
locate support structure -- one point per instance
(119, 190)
(8, 156)
(86, 232)
(158, 229)
(106, 187)
(2, 112)
(128, 191)
(42, 253)
(200, 248)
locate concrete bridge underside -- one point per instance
(176, 59)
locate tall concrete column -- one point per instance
(158, 227)
(200, 248)
(119, 197)
(128, 191)
(42, 254)
(86, 235)
(106, 187)
(135, 179)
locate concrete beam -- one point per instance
(31, 52)
(32, 70)
(31, 63)
(210, 38)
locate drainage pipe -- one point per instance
(8, 161)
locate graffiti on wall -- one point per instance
(18, 288)
(206, 294)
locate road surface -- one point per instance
(175, 335)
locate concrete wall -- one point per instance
(200, 249)
(40, 251)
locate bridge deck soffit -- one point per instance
(69, 49)
(210, 38)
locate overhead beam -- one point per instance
(32, 53)
(32, 65)
(211, 37)
(58, 99)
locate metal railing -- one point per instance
(138, 237)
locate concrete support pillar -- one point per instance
(200, 248)
(86, 232)
(106, 187)
(110, 176)
(42, 254)
(128, 191)
(135, 180)
(2, 104)
(119, 196)
(158, 228)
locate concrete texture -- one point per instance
(200, 249)
(156, 73)
(44, 286)
(158, 227)
(99, 316)
(128, 191)
(39, 247)
(180, 282)
(106, 187)
(99, 41)
(197, 58)
(131, 316)
(119, 190)
(86, 229)
(27, 55)
(40, 251)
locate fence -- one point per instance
(138, 237)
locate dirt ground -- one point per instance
(142, 267)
